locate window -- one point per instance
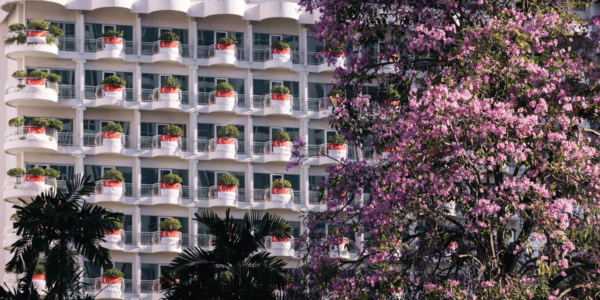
(151, 34)
(152, 81)
(262, 134)
(96, 172)
(95, 126)
(318, 90)
(264, 87)
(209, 178)
(154, 129)
(67, 76)
(151, 223)
(66, 172)
(93, 271)
(153, 175)
(262, 181)
(95, 78)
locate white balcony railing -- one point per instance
(20, 133)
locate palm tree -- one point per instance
(236, 268)
(57, 229)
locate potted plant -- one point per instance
(36, 131)
(225, 141)
(39, 276)
(225, 46)
(168, 42)
(169, 233)
(170, 90)
(54, 78)
(112, 40)
(390, 97)
(111, 281)
(112, 88)
(55, 124)
(281, 143)
(37, 31)
(337, 147)
(112, 183)
(225, 96)
(170, 137)
(227, 185)
(282, 243)
(281, 191)
(281, 52)
(51, 173)
(16, 173)
(35, 178)
(170, 185)
(339, 246)
(111, 134)
(36, 81)
(19, 75)
(280, 97)
(115, 235)
(16, 122)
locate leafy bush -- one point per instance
(38, 25)
(38, 122)
(171, 82)
(169, 36)
(280, 45)
(230, 40)
(114, 80)
(337, 139)
(55, 124)
(112, 33)
(336, 92)
(15, 172)
(171, 178)
(37, 74)
(280, 89)
(390, 94)
(113, 175)
(39, 269)
(281, 136)
(226, 276)
(173, 130)
(16, 122)
(112, 127)
(117, 222)
(54, 78)
(228, 131)
(228, 179)
(20, 74)
(281, 183)
(56, 31)
(224, 86)
(36, 171)
(170, 224)
(16, 27)
(52, 173)
(114, 273)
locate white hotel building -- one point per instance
(83, 62)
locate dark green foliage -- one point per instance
(113, 175)
(228, 131)
(224, 86)
(170, 224)
(16, 27)
(228, 179)
(112, 127)
(171, 178)
(54, 78)
(281, 183)
(230, 40)
(390, 94)
(280, 45)
(169, 36)
(39, 269)
(171, 82)
(117, 222)
(38, 74)
(280, 89)
(114, 273)
(337, 139)
(15, 172)
(56, 31)
(16, 122)
(20, 74)
(51, 173)
(112, 33)
(38, 25)
(173, 130)
(281, 136)
(335, 92)
(38, 122)
(55, 124)
(114, 80)
(36, 171)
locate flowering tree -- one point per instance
(483, 169)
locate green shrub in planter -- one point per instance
(37, 74)
(173, 130)
(228, 131)
(20, 74)
(19, 37)
(228, 179)
(170, 224)
(16, 27)
(55, 124)
(224, 86)
(36, 171)
(15, 172)
(335, 92)
(38, 122)
(114, 80)
(171, 178)
(390, 94)
(52, 173)
(117, 222)
(16, 122)
(280, 89)
(55, 30)
(230, 40)
(171, 82)
(38, 25)
(337, 139)
(112, 33)
(114, 273)
(169, 36)
(226, 276)
(112, 127)
(54, 78)
(113, 175)
(280, 45)
(281, 136)
(281, 183)
(39, 269)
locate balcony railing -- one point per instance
(318, 104)
(269, 239)
(20, 133)
(152, 95)
(95, 92)
(149, 190)
(264, 195)
(154, 142)
(209, 146)
(16, 86)
(68, 44)
(154, 238)
(127, 189)
(322, 150)
(96, 139)
(150, 286)
(205, 240)
(66, 91)
(203, 99)
(262, 55)
(262, 148)
(208, 193)
(65, 139)
(265, 101)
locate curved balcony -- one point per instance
(277, 198)
(111, 96)
(26, 187)
(163, 241)
(277, 247)
(270, 60)
(115, 240)
(104, 288)
(219, 148)
(205, 241)
(110, 191)
(224, 7)
(97, 4)
(321, 107)
(162, 145)
(221, 196)
(328, 154)
(342, 249)
(322, 64)
(106, 143)
(32, 48)
(276, 9)
(32, 92)
(221, 101)
(110, 48)
(389, 68)
(267, 105)
(273, 151)
(164, 99)
(222, 55)
(30, 139)
(10, 237)
(167, 52)
(163, 193)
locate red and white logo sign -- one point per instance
(286, 144)
(30, 178)
(280, 51)
(111, 280)
(336, 146)
(168, 90)
(113, 41)
(113, 88)
(342, 241)
(168, 44)
(225, 141)
(224, 47)
(111, 183)
(36, 130)
(29, 81)
(169, 186)
(111, 135)
(169, 234)
(169, 138)
(280, 191)
(38, 277)
(114, 232)
(280, 97)
(224, 94)
(391, 103)
(281, 240)
(226, 188)
(36, 33)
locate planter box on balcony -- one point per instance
(337, 151)
(113, 92)
(282, 147)
(112, 187)
(111, 288)
(112, 139)
(227, 192)
(36, 134)
(113, 43)
(36, 36)
(281, 194)
(35, 182)
(226, 145)
(170, 189)
(113, 237)
(168, 94)
(225, 99)
(168, 47)
(284, 244)
(226, 51)
(39, 281)
(169, 141)
(281, 101)
(170, 237)
(35, 85)
(282, 55)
